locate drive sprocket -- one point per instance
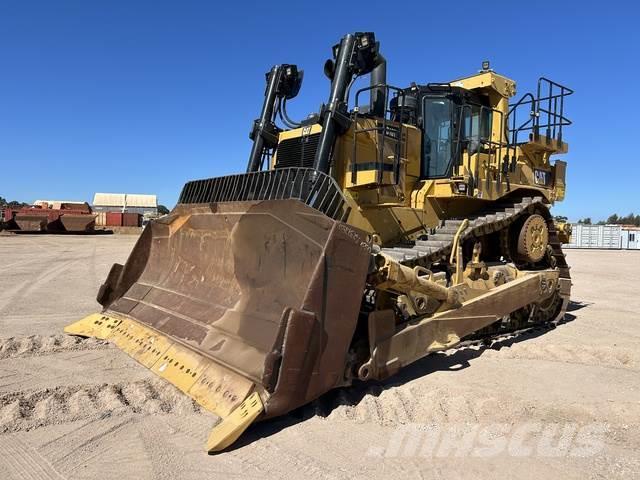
(533, 239)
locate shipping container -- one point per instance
(131, 220)
(596, 236)
(113, 219)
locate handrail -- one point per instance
(547, 111)
(383, 129)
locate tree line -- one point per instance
(11, 204)
(614, 219)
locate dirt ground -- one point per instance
(76, 409)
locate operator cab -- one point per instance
(452, 120)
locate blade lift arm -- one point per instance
(283, 82)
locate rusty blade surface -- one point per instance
(270, 290)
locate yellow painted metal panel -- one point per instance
(95, 325)
(228, 431)
(181, 366)
(149, 347)
(220, 390)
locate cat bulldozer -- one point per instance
(393, 223)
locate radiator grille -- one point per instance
(297, 152)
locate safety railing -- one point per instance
(545, 113)
(314, 188)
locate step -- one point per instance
(441, 237)
(437, 244)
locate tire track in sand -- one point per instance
(20, 461)
(27, 410)
(35, 345)
(604, 356)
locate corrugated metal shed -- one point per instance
(125, 200)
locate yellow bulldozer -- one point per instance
(393, 223)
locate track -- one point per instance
(34, 345)
(26, 410)
(437, 246)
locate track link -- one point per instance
(437, 246)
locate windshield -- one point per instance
(477, 125)
(437, 137)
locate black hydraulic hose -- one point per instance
(284, 121)
(348, 91)
(285, 115)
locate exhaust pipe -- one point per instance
(378, 100)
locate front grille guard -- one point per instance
(314, 188)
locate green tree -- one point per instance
(628, 220)
(162, 210)
(12, 204)
(585, 221)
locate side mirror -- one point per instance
(329, 69)
(296, 87)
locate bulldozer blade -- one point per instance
(31, 222)
(75, 222)
(248, 307)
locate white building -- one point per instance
(56, 204)
(615, 237)
(126, 202)
(631, 238)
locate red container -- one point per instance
(131, 220)
(114, 219)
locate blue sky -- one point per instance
(140, 96)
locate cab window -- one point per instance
(437, 137)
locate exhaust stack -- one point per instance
(378, 101)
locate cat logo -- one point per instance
(306, 130)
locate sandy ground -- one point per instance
(564, 403)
